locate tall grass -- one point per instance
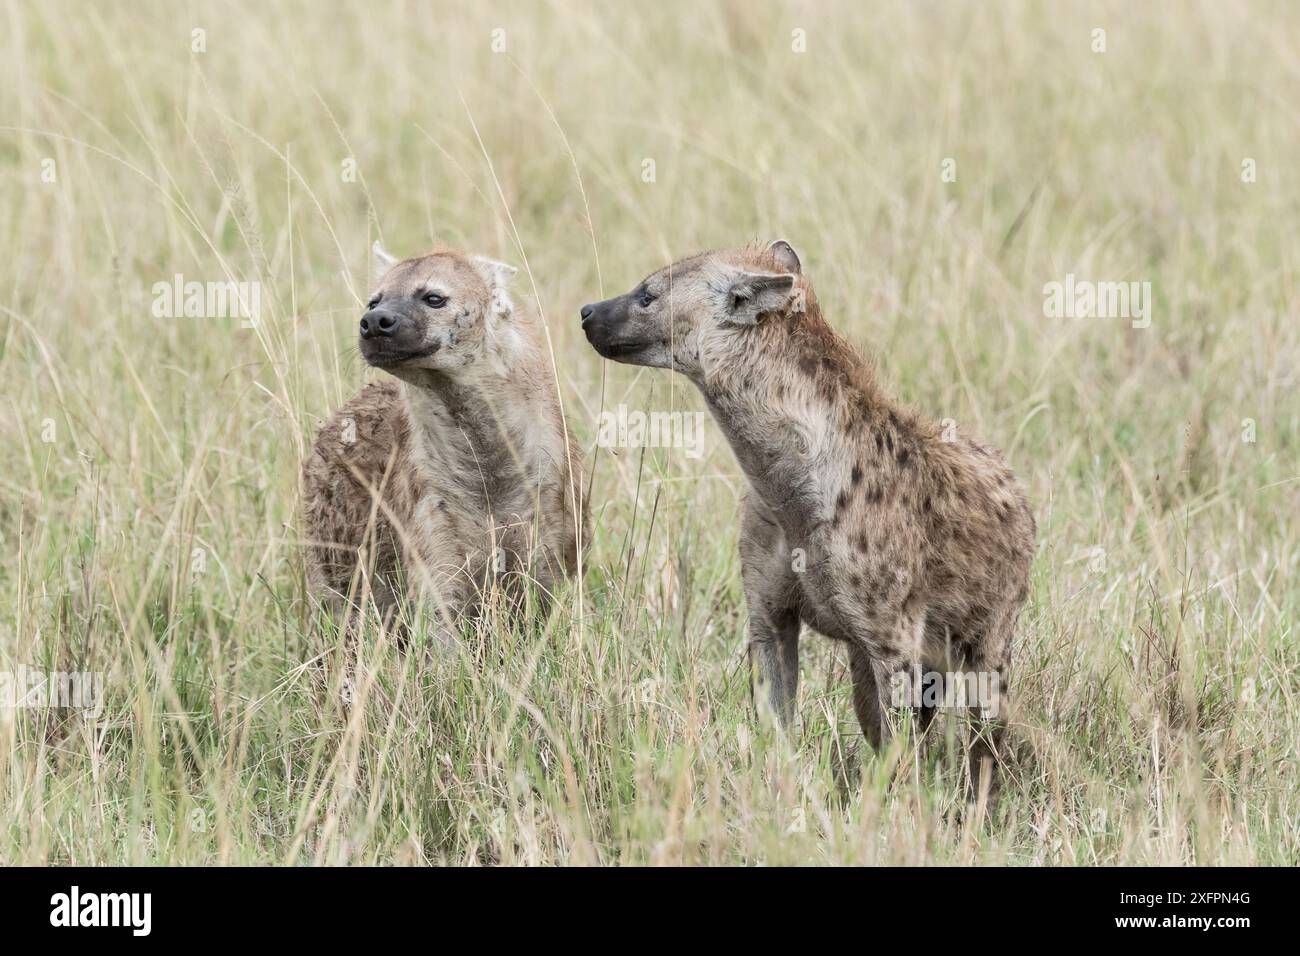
(149, 494)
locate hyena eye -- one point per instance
(374, 301)
(645, 298)
(435, 301)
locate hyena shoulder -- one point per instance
(362, 437)
(360, 453)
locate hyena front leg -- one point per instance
(774, 663)
(869, 703)
(771, 589)
(886, 656)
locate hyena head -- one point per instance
(433, 312)
(695, 308)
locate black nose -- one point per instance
(586, 312)
(379, 322)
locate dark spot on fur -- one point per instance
(925, 505)
(841, 501)
(903, 456)
(856, 474)
(808, 365)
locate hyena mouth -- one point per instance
(382, 357)
(619, 349)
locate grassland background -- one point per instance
(150, 533)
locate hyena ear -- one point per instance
(380, 262)
(786, 258)
(496, 274)
(754, 294)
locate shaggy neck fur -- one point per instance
(795, 402)
(475, 423)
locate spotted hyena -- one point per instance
(454, 472)
(863, 520)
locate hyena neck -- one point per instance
(790, 396)
(467, 428)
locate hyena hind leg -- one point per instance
(988, 713)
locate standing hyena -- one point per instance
(458, 473)
(862, 520)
